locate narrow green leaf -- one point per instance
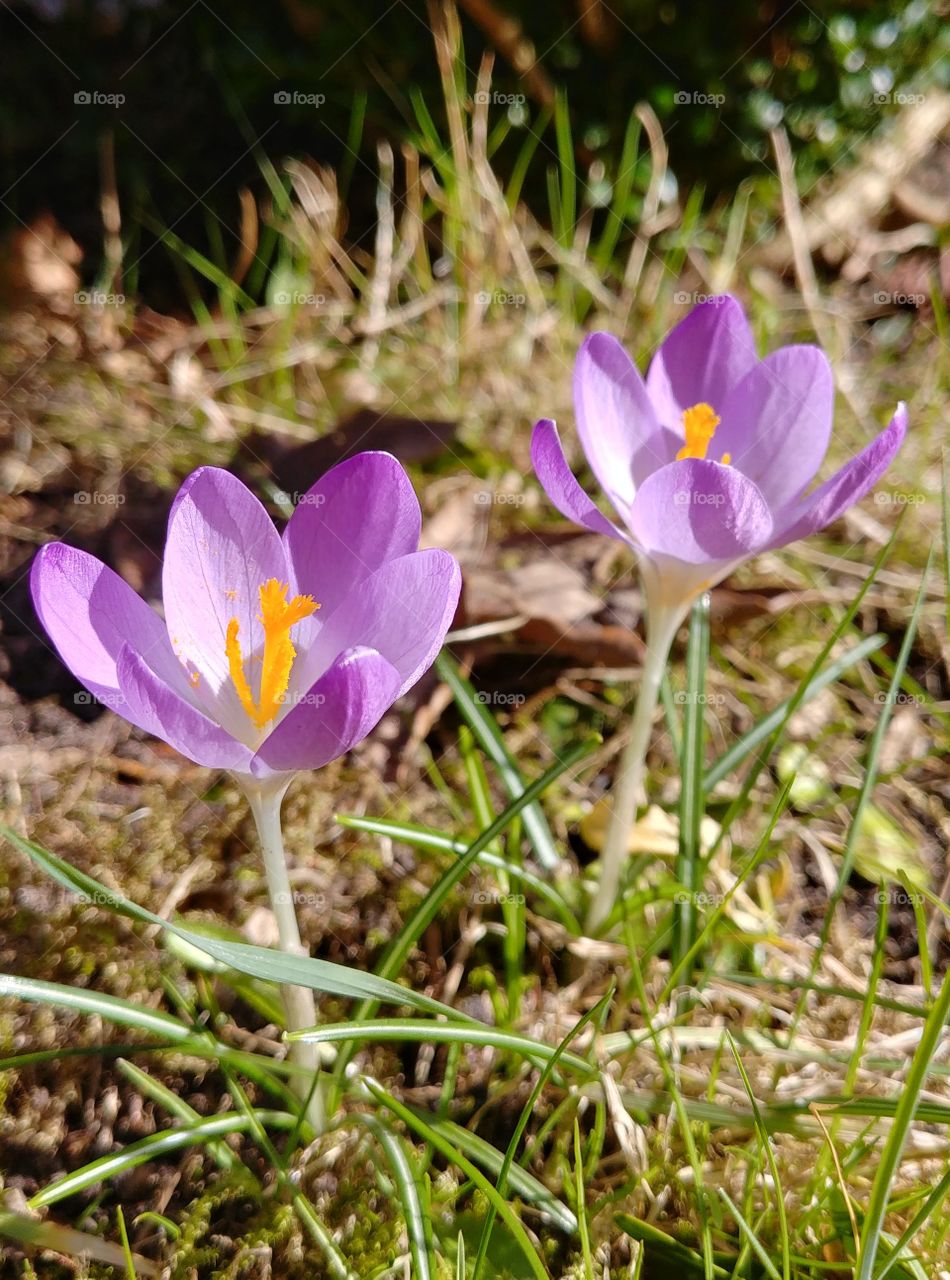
(424, 1031)
(471, 1171)
(400, 1163)
(688, 870)
(489, 737)
(730, 760)
(259, 962)
(427, 910)
(907, 1109)
(426, 838)
(155, 1147)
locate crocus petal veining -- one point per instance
(709, 459)
(274, 655)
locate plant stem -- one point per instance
(265, 801)
(627, 791)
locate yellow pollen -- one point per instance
(277, 616)
(699, 425)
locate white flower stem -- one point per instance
(265, 801)
(627, 793)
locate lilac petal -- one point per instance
(699, 512)
(339, 710)
(776, 422)
(701, 360)
(403, 610)
(849, 485)
(149, 702)
(560, 483)
(615, 418)
(221, 547)
(89, 613)
(360, 514)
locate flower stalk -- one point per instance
(265, 802)
(628, 789)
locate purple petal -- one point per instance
(560, 483)
(849, 485)
(339, 710)
(615, 419)
(221, 547)
(360, 514)
(89, 613)
(776, 422)
(701, 360)
(403, 610)
(149, 702)
(700, 511)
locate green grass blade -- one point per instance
(425, 1031)
(581, 1201)
(593, 1015)
(427, 839)
(35, 1234)
(159, 1093)
(400, 1162)
(766, 1143)
(489, 737)
(738, 805)
(890, 1156)
(750, 1235)
(867, 789)
(522, 1183)
(730, 760)
(688, 869)
(934, 1201)
(471, 1171)
(156, 1146)
(259, 962)
(427, 910)
(111, 1008)
(676, 1258)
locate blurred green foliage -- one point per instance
(193, 95)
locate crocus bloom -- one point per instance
(709, 459)
(275, 654)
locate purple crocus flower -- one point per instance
(708, 460)
(275, 654)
